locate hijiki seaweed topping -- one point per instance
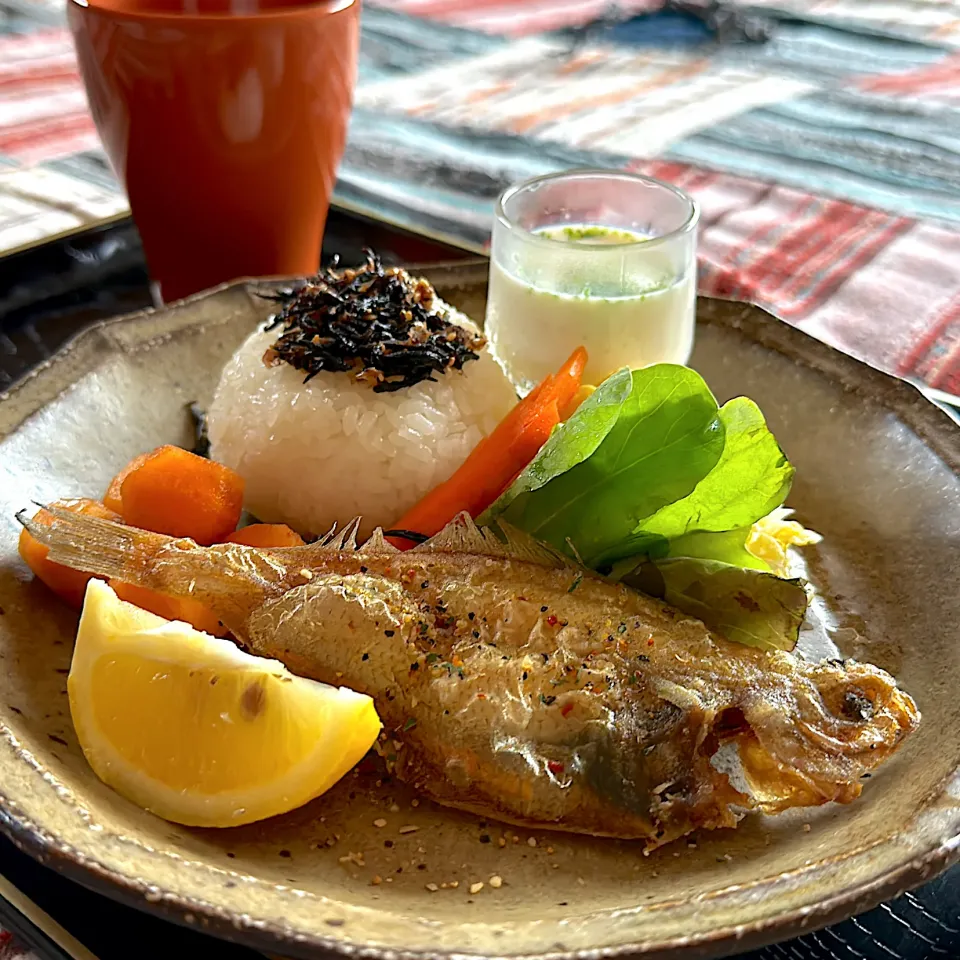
(380, 324)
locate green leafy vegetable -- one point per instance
(652, 481)
(572, 442)
(752, 478)
(746, 606)
(728, 546)
(666, 438)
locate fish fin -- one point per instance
(377, 545)
(462, 535)
(345, 539)
(101, 547)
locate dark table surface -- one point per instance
(46, 296)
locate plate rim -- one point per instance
(935, 428)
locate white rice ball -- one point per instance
(327, 451)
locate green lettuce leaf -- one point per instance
(668, 435)
(752, 478)
(728, 546)
(652, 481)
(572, 442)
(745, 606)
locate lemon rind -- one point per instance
(349, 738)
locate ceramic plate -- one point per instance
(877, 474)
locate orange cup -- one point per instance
(225, 121)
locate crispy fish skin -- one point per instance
(518, 686)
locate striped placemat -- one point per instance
(827, 159)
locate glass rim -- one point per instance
(294, 10)
(688, 225)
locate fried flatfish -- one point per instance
(516, 685)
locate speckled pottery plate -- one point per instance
(878, 474)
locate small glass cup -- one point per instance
(597, 258)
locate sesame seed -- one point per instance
(807, 828)
(454, 884)
(476, 887)
(306, 574)
(380, 823)
(496, 882)
(531, 841)
(502, 842)
(409, 829)
(549, 849)
(377, 880)
(432, 887)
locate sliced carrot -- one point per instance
(68, 584)
(585, 390)
(266, 535)
(182, 495)
(498, 458)
(112, 498)
(569, 377)
(170, 608)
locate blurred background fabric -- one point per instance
(821, 137)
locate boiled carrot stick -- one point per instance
(266, 535)
(170, 608)
(499, 457)
(180, 494)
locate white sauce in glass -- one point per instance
(628, 308)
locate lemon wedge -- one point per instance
(198, 732)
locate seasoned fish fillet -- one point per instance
(516, 685)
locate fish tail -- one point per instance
(179, 568)
(97, 546)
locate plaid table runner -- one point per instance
(12, 949)
(826, 159)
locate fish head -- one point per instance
(830, 725)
